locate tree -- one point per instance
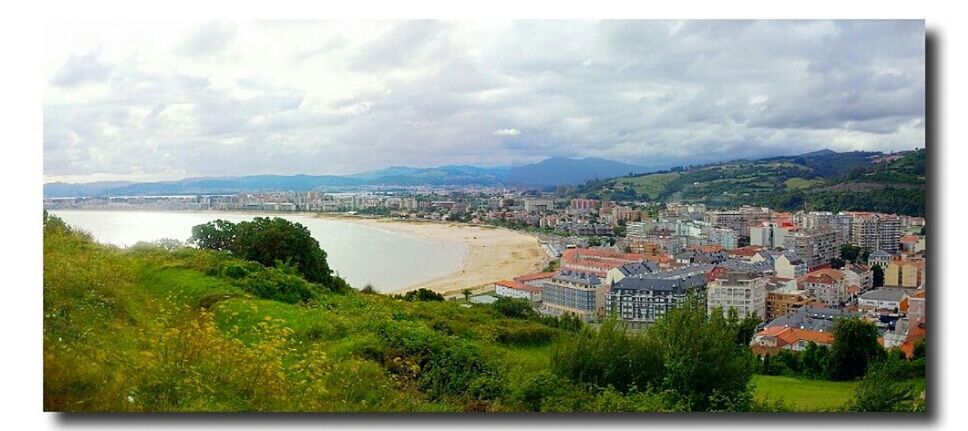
(878, 275)
(744, 328)
(855, 346)
(882, 390)
(467, 294)
(814, 360)
(703, 364)
(552, 266)
(837, 263)
(850, 252)
(270, 242)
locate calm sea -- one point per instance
(361, 254)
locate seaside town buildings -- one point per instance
(637, 261)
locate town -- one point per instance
(637, 260)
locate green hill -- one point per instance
(823, 180)
(161, 329)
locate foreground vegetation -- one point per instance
(186, 329)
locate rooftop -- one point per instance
(885, 294)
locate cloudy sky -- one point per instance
(157, 101)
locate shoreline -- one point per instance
(493, 253)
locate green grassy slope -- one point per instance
(804, 394)
(152, 330)
(817, 181)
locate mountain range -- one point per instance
(547, 173)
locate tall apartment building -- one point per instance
(812, 220)
(739, 219)
(728, 238)
(640, 300)
(538, 204)
(584, 204)
(577, 292)
(875, 231)
(816, 246)
(745, 292)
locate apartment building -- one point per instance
(577, 292)
(639, 300)
(817, 246)
(743, 291)
(875, 231)
(828, 286)
(785, 302)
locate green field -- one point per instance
(803, 394)
(650, 185)
(800, 183)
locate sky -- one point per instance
(148, 101)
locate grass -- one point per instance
(145, 330)
(651, 185)
(800, 183)
(804, 394)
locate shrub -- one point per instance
(422, 295)
(526, 334)
(515, 308)
(270, 242)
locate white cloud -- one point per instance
(147, 100)
(507, 132)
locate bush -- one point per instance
(515, 308)
(883, 390)
(270, 242)
(609, 356)
(442, 366)
(527, 334)
(421, 295)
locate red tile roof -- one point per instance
(517, 286)
(535, 276)
(786, 335)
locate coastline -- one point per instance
(493, 253)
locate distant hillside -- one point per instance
(823, 180)
(60, 189)
(550, 172)
(447, 176)
(565, 171)
(895, 186)
(254, 183)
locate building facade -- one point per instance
(742, 291)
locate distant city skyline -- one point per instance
(161, 101)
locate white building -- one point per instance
(744, 292)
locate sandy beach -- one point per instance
(492, 253)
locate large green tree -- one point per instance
(705, 364)
(268, 241)
(855, 347)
